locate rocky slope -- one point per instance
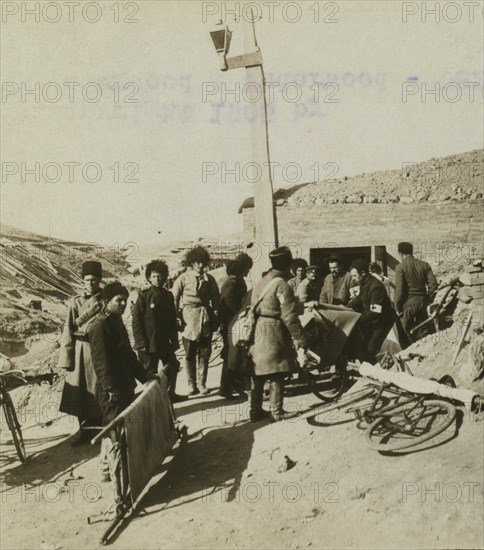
(37, 276)
(453, 178)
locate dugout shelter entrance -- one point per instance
(374, 253)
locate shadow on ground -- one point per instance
(46, 464)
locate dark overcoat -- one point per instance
(155, 322)
(232, 293)
(115, 363)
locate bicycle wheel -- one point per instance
(409, 424)
(14, 427)
(340, 411)
(328, 384)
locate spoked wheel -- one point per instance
(327, 384)
(409, 425)
(14, 427)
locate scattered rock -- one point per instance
(286, 464)
(360, 493)
(406, 200)
(354, 199)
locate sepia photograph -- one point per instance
(242, 274)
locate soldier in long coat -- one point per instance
(155, 327)
(232, 294)
(78, 396)
(278, 333)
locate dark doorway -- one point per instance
(319, 256)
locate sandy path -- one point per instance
(221, 488)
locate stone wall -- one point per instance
(443, 233)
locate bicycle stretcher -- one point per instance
(139, 446)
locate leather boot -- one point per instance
(191, 368)
(202, 371)
(276, 399)
(171, 372)
(257, 389)
(227, 382)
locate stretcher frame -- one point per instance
(123, 503)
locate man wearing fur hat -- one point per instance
(155, 327)
(78, 396)
(199, 293)
(232, 294)
(415, 287)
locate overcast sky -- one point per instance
(150, 155)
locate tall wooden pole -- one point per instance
(264, 211)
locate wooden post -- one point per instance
(264, 209)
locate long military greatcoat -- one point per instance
(277, 324)
(78, 396)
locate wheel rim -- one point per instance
(410, 425)
(328, 384)
(14, 426)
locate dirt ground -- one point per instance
(221, 487)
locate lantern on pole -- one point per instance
(221, 37)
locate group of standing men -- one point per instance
(367, 291)
(103, 367)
